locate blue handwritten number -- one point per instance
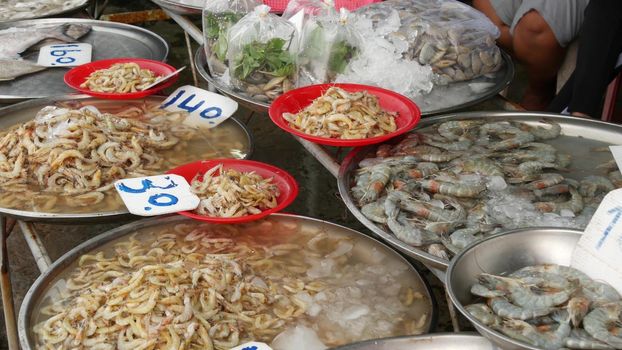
(173, 100)
(146, 184)
(155, 200)
(217, 112)
(617, 213)
(185, 104)
(250, 348)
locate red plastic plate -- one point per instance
(295, 100)
(78, 75)
(288, 187)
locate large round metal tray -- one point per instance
(579, 137)
(435, 102)
(437, 341)
(109, 40)
(501, 254)
(25, 111)
(180, 7)
(57, 12)
(49, 278)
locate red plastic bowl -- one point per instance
(79, 74)
(295, 100)
(288, 187)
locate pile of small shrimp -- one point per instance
(432, 189)
(550, 307)
(70, 158)
(231, 193)
(120, 78)
(199, 286)
(343, 115)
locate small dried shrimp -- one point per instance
(120, 78)
(343, 115)
(232, 193)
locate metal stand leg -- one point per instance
(5, 284)
(36, 246)
(191, 57)
(452, 313)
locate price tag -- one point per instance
(156, 195)
(65, 55)
(252, 346)
(298, 20)
(207, 109)
(616, 151)
(599, 249)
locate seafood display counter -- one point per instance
(273, 280)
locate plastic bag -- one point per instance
(218, 17)
(261, 54)
(327, 46)
(312, 8)
(456, 40)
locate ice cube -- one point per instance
(566, 213)
(299, 338)
(496, 183)
(355, 311)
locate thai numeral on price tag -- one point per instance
(65, 55)
(156, 195)
(206, 109)
(252, 346)
(599, 249)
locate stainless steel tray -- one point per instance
(437, 341)
(56, 12)
(579, 137)
(181, 7)
(49, 277)
(109, 40)
(429, 104)
(25, 111)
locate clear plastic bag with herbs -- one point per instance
(218, 17)
(261, 55)
(326, 47)
(311, 8)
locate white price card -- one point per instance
(600, 247)
(156, 195)
(65, 55)
(616, 151)
(207, 109)
(252, 346)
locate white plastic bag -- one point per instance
(218, 17)
(261, 54)
(312, 8)
(327, 46)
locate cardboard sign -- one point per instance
(252, 346)
(616, 151)
(156, 195)
(599, 249)
(65, 55)
(207, 109)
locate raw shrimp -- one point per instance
(616, 178)
(461, 238)
(525, 295)
(553, 190)
(455, 129)
(575, 204)
(535, 336)
(577, 308)
(461, 145)
(482, 291)
(422, 170)
(580, 339)
(598, 323)
(438, 250)
(592, 185)
(480, 166)
(379, 175)
(504, 308)
(484, 314)
(437, 157)
(542, 133)
(374, 211)
(546, 180)
(401, 227)
(427, 211)
(452, 189)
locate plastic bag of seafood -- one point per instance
(218, 17)
(327, 45)
(261, 54)
(311, 8)
(456, 40)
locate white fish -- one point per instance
(14, 41)
(11, 69)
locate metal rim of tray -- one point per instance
(200, 61)
(92, 23)
(428, 339)
(179, 8)
(351, 160)
(51, 14)
(492, 335)
(36, 290)
(25, 215)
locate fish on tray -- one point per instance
(11, 69)
(14, 41)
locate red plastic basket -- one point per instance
(279, 6)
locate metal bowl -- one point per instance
(25, 111)
(579, 136)
(47, 282)
(501, 254)
(178, 7)
(437, 341)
